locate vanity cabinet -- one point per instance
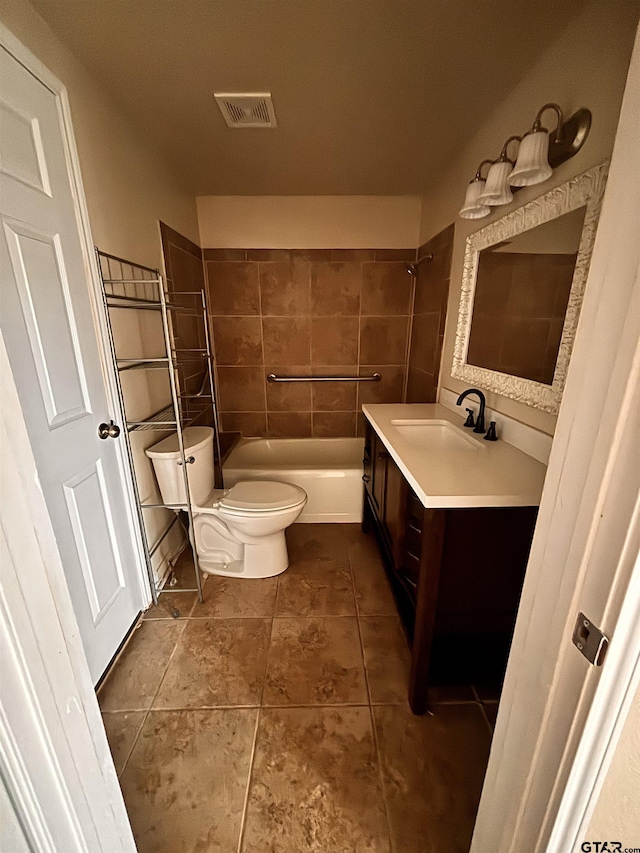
(456, 575)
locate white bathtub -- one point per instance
(328, 469)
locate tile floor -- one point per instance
(273, 717)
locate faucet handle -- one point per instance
(491, 432)
(469, 421)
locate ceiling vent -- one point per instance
(251, 109)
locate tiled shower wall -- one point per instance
(429, 316)
(307, 312)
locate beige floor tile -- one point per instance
(168, 602)
(217, 662)
(315, 784)
(315, 661)
(122, 728)
(450, 693)
(373, 593)
(433, 768)
(136, 675)
(185, 782)
(320, 587)
(183, 577)
(387, 658)
(237, 597)
(316, 541)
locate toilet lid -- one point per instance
(261, 495)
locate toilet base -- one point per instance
(265, 558)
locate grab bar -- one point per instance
(375, 377)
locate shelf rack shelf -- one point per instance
(179, 413)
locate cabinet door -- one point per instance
(367, 466)
(395, 506)
(379, 461)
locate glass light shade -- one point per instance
(497, 190)
(532, 165)
(473, 208)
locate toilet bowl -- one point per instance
(238, 532)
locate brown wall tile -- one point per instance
(238, 340)
(443, 238)
(241, 389)
(224, 254)
(389, 390)
(289, 397)
(386, 289)
(407, 255)
(233, 288)
(383, 339)
(355, 255)
(421, 387)
(334, 424)
(285, 288)
(250, 424)
(430, 312)
(334, 340)
(307, 304)
(289, 424)
(335, 289)
(335, 396)
(424, 342)
(268, 254)
(287, 340)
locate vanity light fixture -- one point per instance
(473, 208)
(497, 189)
(539, 153)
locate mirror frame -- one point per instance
(587, 190)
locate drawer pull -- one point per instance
(414, 528)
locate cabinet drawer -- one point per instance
(412, 538)
(411, 566)
(415, 511)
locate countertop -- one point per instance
(478, 474)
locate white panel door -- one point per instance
(50, 334)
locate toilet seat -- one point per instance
(255, 496)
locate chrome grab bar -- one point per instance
(375, 377)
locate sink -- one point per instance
(440, 432)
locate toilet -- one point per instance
(237, 532)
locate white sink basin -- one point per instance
(430, 432)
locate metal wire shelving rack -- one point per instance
(127, 285)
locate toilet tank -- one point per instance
(198, 445)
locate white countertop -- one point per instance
(454, 474)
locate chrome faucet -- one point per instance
(479, 427)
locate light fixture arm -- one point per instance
(504, 157)
(537, 125)
(478, 175)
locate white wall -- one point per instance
(585, 66)
(617, 813)
(128, 186)
(128, 189)
(309, 222)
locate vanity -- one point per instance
(454, 517)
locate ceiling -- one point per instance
(371, 96)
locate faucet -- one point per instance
(479, 427)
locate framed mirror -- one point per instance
(522, 285)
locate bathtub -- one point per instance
(328, 469)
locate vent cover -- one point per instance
(251, 109)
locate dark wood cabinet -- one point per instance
(456, 575)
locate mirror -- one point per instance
(522, 287)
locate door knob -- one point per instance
(109, 430)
